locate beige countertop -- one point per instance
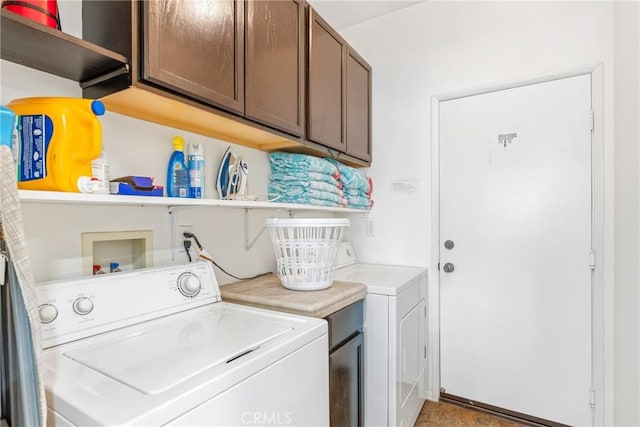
(267, 292)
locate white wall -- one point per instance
(439, 47)
(627, 212)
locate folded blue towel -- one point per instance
(355, 192)
(296, 192)
(305, 176)
(359, 201)
(352, 177)
(294, 162)
(287, 169)
(284, 186)
(362, 207)
(307, 200)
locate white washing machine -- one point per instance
(158, 347)
(395, 345)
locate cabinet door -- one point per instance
(326, 85)
(346, 383)
(275, 64)
(196, 48)
(358, 106)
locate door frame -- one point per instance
(601, 319)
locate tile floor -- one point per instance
(439, 414)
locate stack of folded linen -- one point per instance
(356, 185)
(299, 178)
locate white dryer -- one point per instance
(158, 347)
(395, 344)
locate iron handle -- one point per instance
(448, 267)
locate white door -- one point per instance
(516, 309)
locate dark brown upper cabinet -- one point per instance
(196, 48)
(274, 75)
(339, 97)
(326, 115)
(358, 106)
(187, 68)
(235, 70)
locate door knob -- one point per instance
(448, 268)
(448, 244)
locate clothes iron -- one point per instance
(227, 174)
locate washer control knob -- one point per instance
(48, 313)
(83, 306)
(189, 284)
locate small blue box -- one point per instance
(135, 186)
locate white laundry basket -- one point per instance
(306, 250)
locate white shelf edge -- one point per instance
(56, 197)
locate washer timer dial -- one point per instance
(189, 284)
(83, 306)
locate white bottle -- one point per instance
(195, 163)
(100, 171)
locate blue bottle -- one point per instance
(195, 162)
(177, 172)
(7, 125)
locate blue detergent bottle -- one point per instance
(195, 162)
(177, 172)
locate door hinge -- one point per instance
(592, 120)
(592, 398)
(438, 266)
(592, 259)
(425, 351)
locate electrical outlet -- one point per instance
(179, 237)
(371, 229)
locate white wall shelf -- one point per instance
(56, 197)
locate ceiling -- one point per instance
(345, 13)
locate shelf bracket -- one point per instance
(249, 244)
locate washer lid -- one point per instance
(155, 359)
